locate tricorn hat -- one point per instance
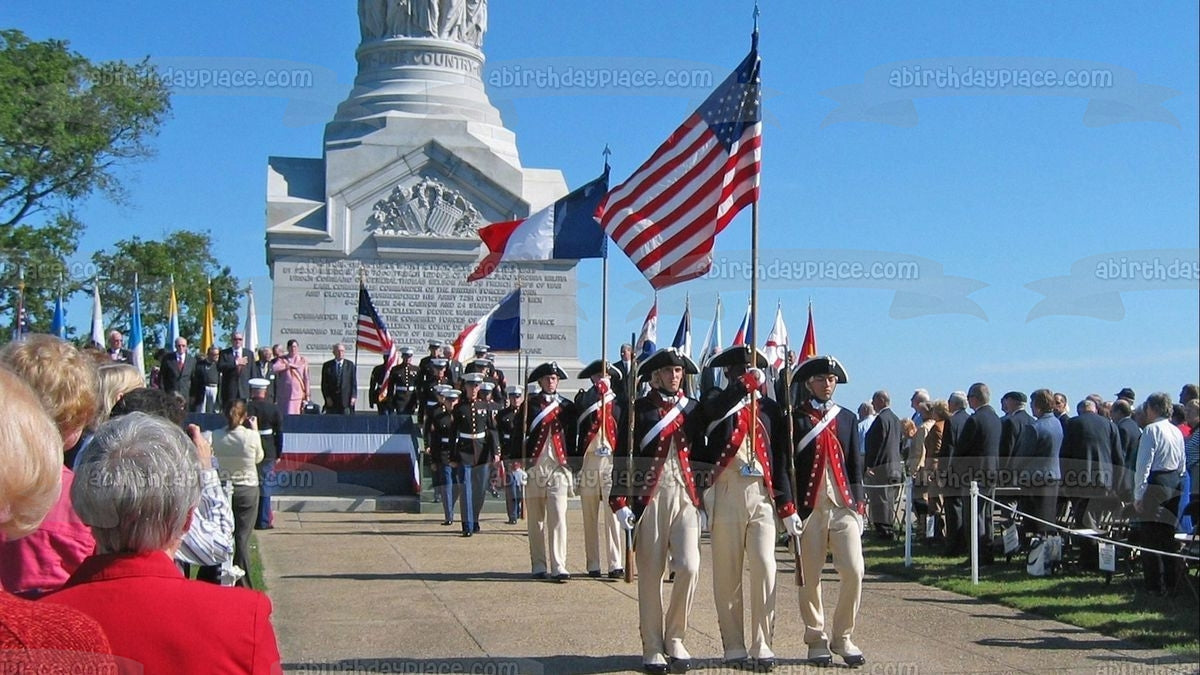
(665, 358)
(1127, 394)
(595, 368)
(548, 368)
(821, 365)
(737, 355)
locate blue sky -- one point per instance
(985, 189)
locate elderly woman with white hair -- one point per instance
(138, 487)
(36, 637)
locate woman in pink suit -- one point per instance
(291, 379)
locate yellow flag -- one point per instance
(206, 339)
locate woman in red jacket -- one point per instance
(138, 487)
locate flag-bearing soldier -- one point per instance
(378, 390)
(825, 508)
(598, 414)
(660, 503)
(739, 502)
(477, 442)
(550, 439)
(428, 402)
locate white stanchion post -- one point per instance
(908, 510)
(974, 533)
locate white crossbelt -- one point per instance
(265, 432)
(473, 437)
(662, 424)
(608, 398)
(553, 405)
(816, 431)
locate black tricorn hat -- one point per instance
(595, 367)
(665, 358)
(820, 365)
(548, 368)
(737, 355)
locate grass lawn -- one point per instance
(256, 566)
(1120, 609)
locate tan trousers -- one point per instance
(546, 494)
(602, 540)
(670, 525)
(837, 529)
(743, 531)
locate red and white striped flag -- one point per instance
(666, 216)
(373, 334)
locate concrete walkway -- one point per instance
(400, 593)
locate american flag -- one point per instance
(667, 215)
(373, 334)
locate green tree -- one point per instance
(67, 124)
(186, 256)
(38, 255)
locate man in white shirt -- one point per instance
(1156, 490)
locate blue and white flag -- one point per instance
(136, 343)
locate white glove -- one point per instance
(626, 518)
(703, 521)
(793, 525)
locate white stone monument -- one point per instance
(415, 160)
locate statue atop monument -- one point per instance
(462, 21)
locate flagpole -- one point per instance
(362, 283)
(751, 329)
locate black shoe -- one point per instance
(511, 521)
(654, 668)
(617, 574)
(595, 574)
(671, 578)
(763, 665)
(539, 575)
(476, 529)
(447, 522)
(264, 527)
(466, 534)
(678, 665)
(562, 578)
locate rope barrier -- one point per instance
(1077, 533)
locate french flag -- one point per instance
(648, 338)
(499, 329)
(567, 229)
(745, 331)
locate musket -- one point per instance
(631, 391)
(791, 458)
(524, 421)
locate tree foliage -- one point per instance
(37, 254)
(67, 124)
(182, 254)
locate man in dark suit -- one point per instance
(1090, 458)
(976, 458)
(116, 350)
(270, 432)
(623, 366)
(883, 465)
(339, 383)
(1015, 420)
(261, 369)
(825, 507)
(953, 487)
(234, 365)
(175, 370)
(1035, 464)
(1129, 435)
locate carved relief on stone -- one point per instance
(427, 209)
(458, 20)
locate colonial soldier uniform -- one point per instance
(549, 440)
(443, 450)
(739, 502)
(661, 504)
(598, 414)
(477, 441)
(508, 427)
(826, 512)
